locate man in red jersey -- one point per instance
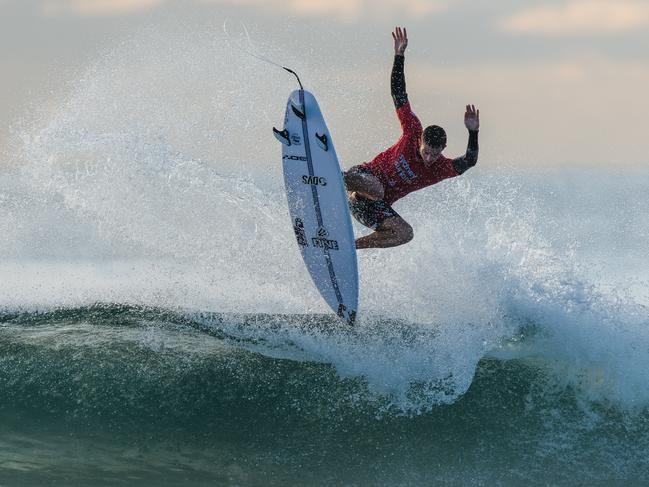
(414, 162)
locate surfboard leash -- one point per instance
(257, 56)
(295, 74)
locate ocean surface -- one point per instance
(157, 325)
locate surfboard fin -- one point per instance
(298, 111)
(323, 143)
(282, 136)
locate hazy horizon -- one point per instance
(558, 82)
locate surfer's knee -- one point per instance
(362, 181)
(403, 234)
(377, 190)
(371, 191)
(400, 229)
(407, 234)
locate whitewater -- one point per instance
(157, 322)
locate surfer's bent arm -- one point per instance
(472, 123)
(468, 160)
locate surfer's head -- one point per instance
(433, 142)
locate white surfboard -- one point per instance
(317, 203)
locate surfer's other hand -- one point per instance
(472, 118)
(400, 37)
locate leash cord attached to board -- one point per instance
(257, 56)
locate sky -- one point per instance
(558, 82)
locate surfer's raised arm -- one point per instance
(414, 162)
(398, 79)
(410, 124)
(472, 123)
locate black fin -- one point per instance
(323, 142)
(282, 136)
(298, 112)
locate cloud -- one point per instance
(578, 109)
(92, 8)
(580, 17)
(340, 10)
(346, 10)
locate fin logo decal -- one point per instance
(295, 139)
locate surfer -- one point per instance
(414, 162)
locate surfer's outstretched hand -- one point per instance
(400, 37)
(472, 118)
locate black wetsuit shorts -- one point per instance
(371, 213)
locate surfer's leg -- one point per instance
(361, 181)
(389, 228)
(370, 213)
(391, 232)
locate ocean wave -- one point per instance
(132, 192)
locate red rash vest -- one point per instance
(401, 169)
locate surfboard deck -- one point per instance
(318, 205)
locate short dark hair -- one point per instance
(434, 136)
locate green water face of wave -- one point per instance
(106, 394)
